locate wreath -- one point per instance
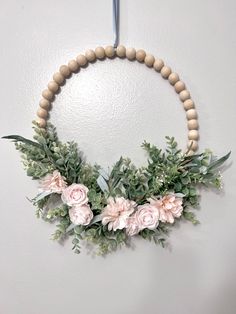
(108, 208)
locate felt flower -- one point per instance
(116, 213)
(169, 206)
(80, 215)
(75, 194)
(147, 216)
(53, 182)
(132, 227)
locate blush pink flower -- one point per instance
(169, 206)
(147, 216)
(75, 194)
(54, 183)
(132, 227)
(116, 213)
(80, 215)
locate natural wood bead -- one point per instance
(121, 51)
(100, 52)
(149, 60)
(42, 113)
(193, 124)
(130, 53)
(90, 55)
(41, 122)
(82, 60)
(184, 95)
(53, 86)
(179, 86)
(58, 78)
(44, 103)
(193, 145)
(190, 153)
(165, 71)
(188, 104)
(173, 78)
(158, 64)
(193, 135)
(73, 65)
(65, 71)
(140, 55)
(47, 94)
(110, 51)
(191, 114)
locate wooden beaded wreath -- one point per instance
(108, 208)
(131, 54)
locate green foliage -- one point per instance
(166, 171)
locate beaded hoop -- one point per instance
(108, 207)
(131, 54)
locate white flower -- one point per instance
(147, 216)
(75, 194)
(80, 215)
(169, 206)
(116, 213)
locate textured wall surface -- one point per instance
(109, 109)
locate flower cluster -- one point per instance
(119, 213)
(107, 209)
(74, 195)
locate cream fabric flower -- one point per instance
(169, 206)
(147, 216)
(116, 213)
(54, 183)
(80, 215)
(75, 194)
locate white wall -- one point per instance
(110, 108)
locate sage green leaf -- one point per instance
(18, 138)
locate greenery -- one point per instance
(169, 170)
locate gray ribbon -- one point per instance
(116, 10)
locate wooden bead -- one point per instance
(90, 55)
(42, 113)
(53, 86)
(191, 114)
(179, 86)
(193, 145)
(173, 78)
(190, 153)
(44, 103)
(193, 124)
(130, 53)
(121, 51)
(58, 78)
(100, 52)
(140, 55)
(110, 51)
(158, 64)
(41, 122)
(73, 66)
(82, 60)
(65, 71)
(149, 60)
(165, 72)
(188, 104)
(184, 95)
(193, 135)
(47, 94)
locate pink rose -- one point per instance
(80, 215)
(75, 194)
(147, 216)
(169, 206)
(116, 213)
(54, 183)
(132, 226)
